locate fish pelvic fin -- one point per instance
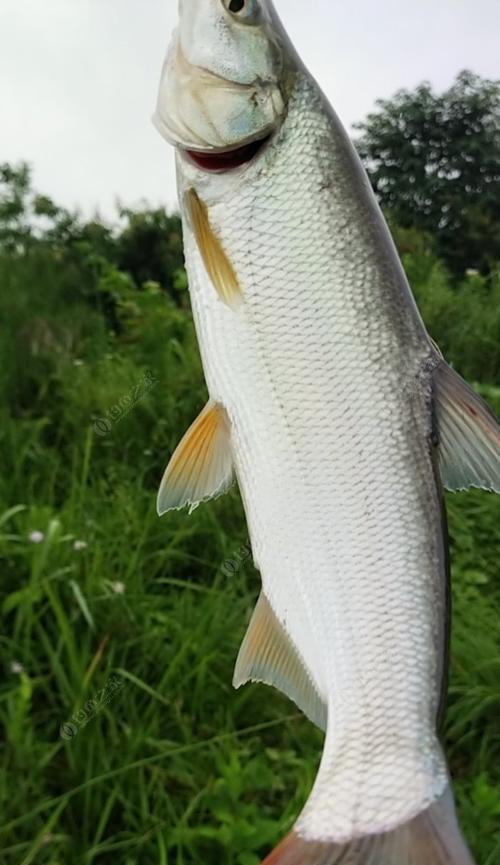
(267, 655)
(201, 467)
(431, 838)
(469, 434)
(215, 259)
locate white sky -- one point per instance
(78, 79)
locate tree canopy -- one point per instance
(434, 162)
(144, 244)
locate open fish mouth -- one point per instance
(228, 160)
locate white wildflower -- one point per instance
(16, 667)
(78, 546)
(118, 588)
(36, 537)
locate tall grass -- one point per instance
(98, 382)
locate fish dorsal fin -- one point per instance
(268, 655)
(202, 466)
(469, 434)
(216, 261)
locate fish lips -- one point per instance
(219, 123)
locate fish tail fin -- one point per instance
(431, 838)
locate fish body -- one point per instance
(329, 390)
(330, 435)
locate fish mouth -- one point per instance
(227, 160)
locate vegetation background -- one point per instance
(124, 742)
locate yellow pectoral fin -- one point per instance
(201, 467)
(217, 264)
(268, 655)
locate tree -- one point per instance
(145, 244)
(150, 247)
(434, 162)
(27, 218)
(15, 192)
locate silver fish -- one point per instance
(341, 421)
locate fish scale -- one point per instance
(312, 384)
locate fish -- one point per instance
(341, 421)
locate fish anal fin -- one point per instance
(201, 467)
(431, 838)
(268, 655)
(215, 259)
(469, 434)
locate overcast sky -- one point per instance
(78, 78)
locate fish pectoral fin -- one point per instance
(469, 434)
(202, 465)
(215, 259)
(267, 655)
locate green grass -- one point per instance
(175, 767)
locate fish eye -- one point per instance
(242, 9)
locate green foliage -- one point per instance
(150, 248)
(99, 377)
(462, 315)
(14, 207)
(147, 245)
(434, 161)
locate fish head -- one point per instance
(223, 86)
